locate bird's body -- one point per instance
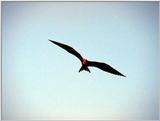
(85, 62)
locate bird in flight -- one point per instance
(85, 62)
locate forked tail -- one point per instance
(84, 68)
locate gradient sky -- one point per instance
(41, 80)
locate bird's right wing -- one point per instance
(104, 67)
(68, 49)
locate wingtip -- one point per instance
(123, 75)
(52, 41)
(49, 40)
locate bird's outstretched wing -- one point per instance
(68, 49)
(104, 67)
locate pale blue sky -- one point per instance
(41, 81)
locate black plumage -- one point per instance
(86, 63)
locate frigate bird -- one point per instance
(85, 62)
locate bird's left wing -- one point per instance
(68, 49)
(104, 67)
